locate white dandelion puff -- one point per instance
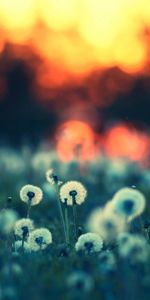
(52, 178)
(136, 249)
(73, 192)
(105, 223)
(107, 261)
(31, 194)
(18, 247)
(80, 281)
(8, 218)
(39, 239)
(23, 227)
(129, 203)
(124, 238)
(89, 242)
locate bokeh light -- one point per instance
(76, 141)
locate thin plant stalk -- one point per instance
(61, 214)
(75, 218)
(67, 222)
(22, 246)
(28, 210)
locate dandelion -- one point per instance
(89, 242)
(18, 247)
(8, 218)
(73, 192)
(39, 239)
(124, 238)
(32, 195)
(80, 281)
(129, 203)
(52, 178)
(136, 249)
(105, 223)
(107, 262)
(23, 227)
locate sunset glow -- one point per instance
(75, 37)
(122, 141)
(76, 141)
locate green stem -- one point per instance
(28, 210)
(75, 220)
(22, 246)
(61, 214)
(67, 223)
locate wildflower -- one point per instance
(136, 249)
(39, 239)
(124, 238)
(89, 242)
(23, 227)
(8, 218)
(105, 223)
(129, 203)
(107, 262)
(80, 281)
(52, 178)
(18, 247)
(73, 192)
(31, 194)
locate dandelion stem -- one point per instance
(28, 210)
(67, 223)
(61, 214)
(22, 246)
(75, 218)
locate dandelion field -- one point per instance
(73, 231)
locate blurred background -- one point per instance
(76, 76)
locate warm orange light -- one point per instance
(76, 141)
(126, 142)
(77, 37)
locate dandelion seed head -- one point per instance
(136, 249)
(52, 178)
(73, 191)
(39, 239)
(124, 238)
(105, 223)
(89, 242)
(18, 247)
(23, 227)
(8, 218)
(107, 261)
(80, 281)
(31, 194)
(129, 203)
